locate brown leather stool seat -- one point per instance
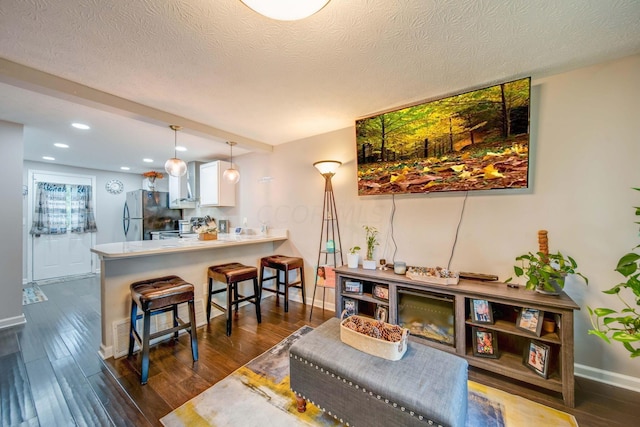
(231, 274)
(284, 264)
(155, 296)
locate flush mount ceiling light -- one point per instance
(231, 175)
(175, 166)
(286, 10)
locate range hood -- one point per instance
(184, 191)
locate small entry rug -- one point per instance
(258, 395)
(32, 294)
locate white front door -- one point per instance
(59, 255)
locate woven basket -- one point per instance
(208, 236)
(374, 346)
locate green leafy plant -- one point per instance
(546, 272)
(354, 250)
(624, 325)
(372, 240)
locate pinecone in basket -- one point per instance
(377, 329)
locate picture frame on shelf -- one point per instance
(380, 292)
(485, 342)
(350, 306)
(530, 320)
(536, 357)
(382, 313)
(481, 311)
(352, 287)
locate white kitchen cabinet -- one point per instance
(214, 191)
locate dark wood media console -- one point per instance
(452, 332)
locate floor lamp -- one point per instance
(330, 243)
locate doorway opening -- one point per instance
(61, 250)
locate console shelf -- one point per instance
(453, 332)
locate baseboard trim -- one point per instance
(13, 321)
(105, 351)
(612, 378)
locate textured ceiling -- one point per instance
(220, 64)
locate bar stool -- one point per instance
(284, 264)
(231, 274)
(155, 296)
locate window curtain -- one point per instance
(82, 218)
(61, 207)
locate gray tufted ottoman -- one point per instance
(426, 387)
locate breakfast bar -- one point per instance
(123, 263)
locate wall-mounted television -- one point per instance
(477, 140)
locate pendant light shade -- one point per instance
(175, 166)
(286, 10)
(231, 175)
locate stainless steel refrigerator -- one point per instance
(147, 211)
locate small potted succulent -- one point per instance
(353, 257)
(372, 241)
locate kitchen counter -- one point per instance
(123, 263)
(165, 246)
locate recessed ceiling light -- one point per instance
(147, 160)
(61, 145)
(48, 158)
(125, 168)
(80, 126)
(180, 148)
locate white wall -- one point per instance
(11, 247)
(584, 127)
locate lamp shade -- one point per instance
(175, 167)
(286, 10)
(231, 175)
(327, 166)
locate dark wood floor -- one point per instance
(51, 374)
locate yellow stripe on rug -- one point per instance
(519, 411)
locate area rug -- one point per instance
(258, 394)
(32, 294)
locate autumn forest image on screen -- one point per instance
(477, 140)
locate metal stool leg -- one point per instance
(145, 347)
(304, 298)
(175, 321)
(229, 306)
(286, 290)
(132, 326)
(256, 299)
(209, 299)
(192, 331)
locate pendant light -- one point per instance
(175, 166)
(231, 175)
(286, 10)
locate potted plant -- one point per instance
(546, 273)
(353, 257)
(208, 231)
(372, 241)
(624, 325)
(151, 177)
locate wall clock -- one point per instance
(114, 186)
